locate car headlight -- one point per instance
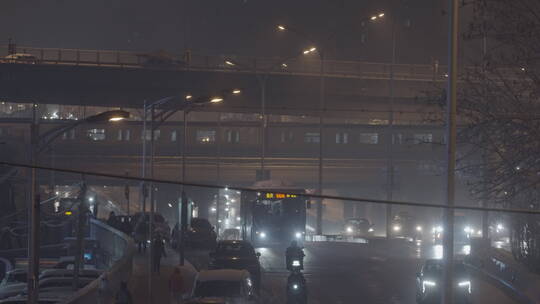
(427, 283)
(465, 284)
(298, 235)
(396, 228)
(262, 235)
(418, 228)
(370, 230)
(295, 286)
(349, 229)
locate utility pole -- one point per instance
(183, 202)
(451, 107)
(126, 194)
(79, 251)
(322, 101)
(218, 171)
(390, 140)
(34, 239)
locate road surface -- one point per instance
(380, 272)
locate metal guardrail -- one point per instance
(298, 66)
(119, 249)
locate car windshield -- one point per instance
(217, 289)
(235, 249)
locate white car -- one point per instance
(20, 58)
(223, 286)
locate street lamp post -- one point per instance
(322, 107)
(38, 144)
(188, 104)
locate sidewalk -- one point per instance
(138, 283)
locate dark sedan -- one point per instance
(233, 254)
(429, 285)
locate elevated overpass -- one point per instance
(124, 79)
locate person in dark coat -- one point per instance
(158, 251)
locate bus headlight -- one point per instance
(396, 228)
(349, 229)
(419, 228)
(298, 235)
(262, 235)
(465, 284)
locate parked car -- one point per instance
(68, 273)
(223, 286)
(20, 58)
(18, 275)
(238, 255)
(201, 234)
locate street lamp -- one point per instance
(38, 143)
(322, 103)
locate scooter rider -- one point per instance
(293, 252)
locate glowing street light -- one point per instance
(189, 96)
(281, 28)
(373, 18)
(216, 99)
(236, 91)
(230, 63)
(381, 15)
(310, 50)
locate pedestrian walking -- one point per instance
(123, 296)
(158, 251)
(141, 234)
(176, 286)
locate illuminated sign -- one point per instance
(280, 195)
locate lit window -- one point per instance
(124, 135)
(173, 135)
(369, 138)
(68, 135)
(342, 138)
(233, 136)
(397, 139)
(286, 136)
(206, 136)
(422, 138)
(96, 134)
(147, 135)
(312, 137)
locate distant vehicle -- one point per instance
(406, 226)
(20, 58)
(223, 286)
(201, 234)
(160, 58)
(45, 297)
(68, 273)
(160, 223)
(18, 275)
(429, 283)
(237, 255)
(20, 288)
(358, 227)
(275, 215)
(231, 234)
(464, 230)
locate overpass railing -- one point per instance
(118, 250)
(297, 66)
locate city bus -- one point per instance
(274, 214)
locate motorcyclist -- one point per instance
(293, 252)
(296, 288)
